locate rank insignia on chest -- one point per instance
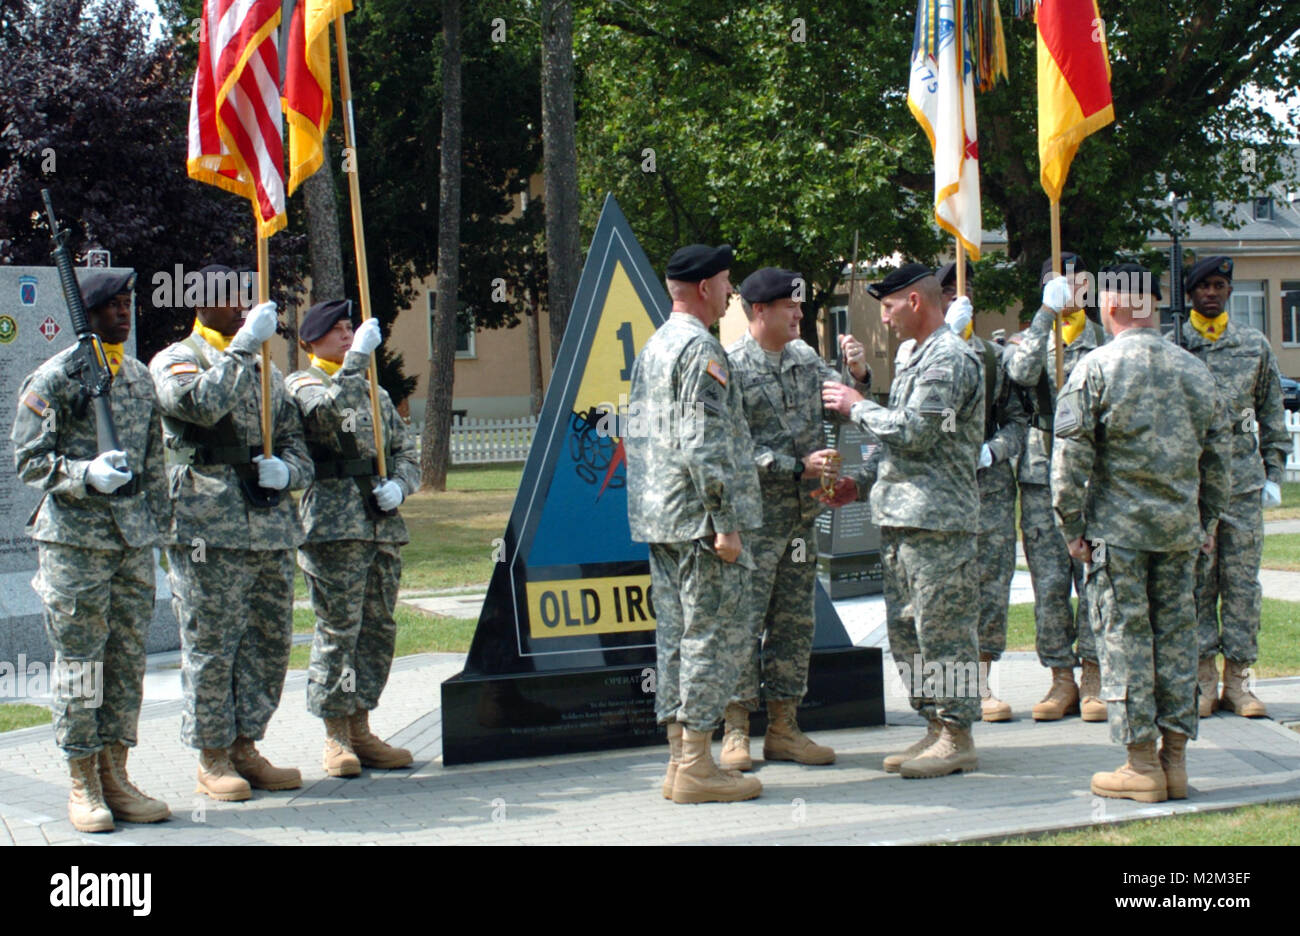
(32, 400)
(718, 372)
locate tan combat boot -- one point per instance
(218, 779)
(674, 756)
(1207, 678)
(954, 752)
(260, 773)
(894, 761)
(87, 810)
(371, 749)
(1173, 758)
(1141, 778)
(1091, 708)
(735, 742)
(339, 760)
(1062, 699)
(785, 742)
(992, 709)
(1237, 696)
(121, 795)
(699, 780)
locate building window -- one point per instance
(464, 329)
(1249, 303)
(1264, 208)
(1291, 312)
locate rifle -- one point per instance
(89, 364)
(1177, 309)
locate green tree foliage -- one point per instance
(784, 141)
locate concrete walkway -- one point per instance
(1032, 777)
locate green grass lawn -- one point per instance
(1270, 824)
(1290, 509)
(20, 715)
(1282, 551)
(1279, 636)
(417, 632)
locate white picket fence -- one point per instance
(481, 441)
(1293, 459)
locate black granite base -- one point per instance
(850, 575)
(570, 711)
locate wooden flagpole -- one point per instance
(961, 269)
(358, 232)
(264, 295)
(1056, 271)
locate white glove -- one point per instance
(367, 337)
(1272, 494)
(108, 471)
(1057, 293)
(388, 494)
(986, 455)
(259, 325)
(272, 473)
(959, 315)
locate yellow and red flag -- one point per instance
(307, 83)
(1074, 97)
(235, 129)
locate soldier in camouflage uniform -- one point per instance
(1005, 423)
(1227, 580)
(352, 556)
(691, 491)
(926, 501)
(1032, 364)
(780, 377)
(231, 546)
(95, 532)
(1140, 475)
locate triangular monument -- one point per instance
(563, 656)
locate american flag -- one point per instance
(236, 130)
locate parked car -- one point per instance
(1291, 393)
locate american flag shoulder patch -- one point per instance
(32, 400)
(306, 380)
(718, 372)
(182, 367)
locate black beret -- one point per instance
(1210, 266)
(1132, 278)
(901, 278)
(218, 287)
(1067, 258)
(321, 317)
(698, 262)
(948, 273)
(99, 286)
(770, 283)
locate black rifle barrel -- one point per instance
(93, 372)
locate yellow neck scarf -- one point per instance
(212, 336)
(1211, 329)
(114, 353)
(1072, 325)
(329, 367)
(970, 329)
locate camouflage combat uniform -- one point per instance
(783, 409)
(352, 560)
(691, 475)
(230, 564)
(925, 499)
(1005, 424)
(1050, 567)
(1156, 483)
(96, 575)
(1227, 582)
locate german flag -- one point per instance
(306, 94)
(1073, 84)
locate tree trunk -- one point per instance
(534, 363)
(560, 155)
(436, 440)
(323, 231)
